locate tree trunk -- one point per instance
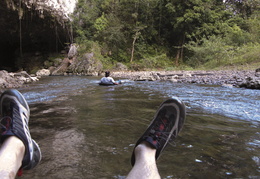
(133, 49)
(20, 29)
(56, 37)
(177, 57)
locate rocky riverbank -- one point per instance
(15, 80)
(240, 79)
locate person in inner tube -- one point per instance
(107, 80)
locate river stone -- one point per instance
(57, 62)
(86, 65)
(3, 74)
(73, 51)
(43, 72)
(62, 68)
(15, 80)
(257, 72)
(2, 83)
(120, 67)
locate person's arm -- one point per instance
(113, 81)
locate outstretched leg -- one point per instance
(145, 163)
(11, 155)
(168, 122)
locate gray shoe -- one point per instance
(15, 114)
(167, 123)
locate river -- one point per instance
(89, 131)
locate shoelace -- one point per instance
(163, 135)
(171, 142)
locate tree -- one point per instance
(84, 17)
(243, 8)
(135, 29)
(191, 20)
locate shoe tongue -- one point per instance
(153, 143)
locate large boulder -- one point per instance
(86, 65)
(73, 51)
(43, 72)
(4, 78)
(251, 83)
(257, 72)
(62, 68)
(121, 67)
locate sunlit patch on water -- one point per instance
(198, 161)
(257, 160)
(35, 97)
(229, 173)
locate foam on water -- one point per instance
(231, 102)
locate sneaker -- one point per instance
(15, 114)
(167, 123)
(36, 158)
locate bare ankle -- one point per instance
(145, 152)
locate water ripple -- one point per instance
(231, 102)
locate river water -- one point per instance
(89, 131)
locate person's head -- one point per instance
(107, 73)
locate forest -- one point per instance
(170, 34)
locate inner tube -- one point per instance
(104, 84)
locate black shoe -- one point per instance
(168, 122)
(15, 114)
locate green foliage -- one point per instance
(247, 53)
(212, 32)
(237, 36)
(254, 27)
(101, 23)
(160, 61)
(242, 56)
(85, 46)
(237, 47)
(112, 37)
(213, 48)
(215, 52)
(86, 12)
(96, 49)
